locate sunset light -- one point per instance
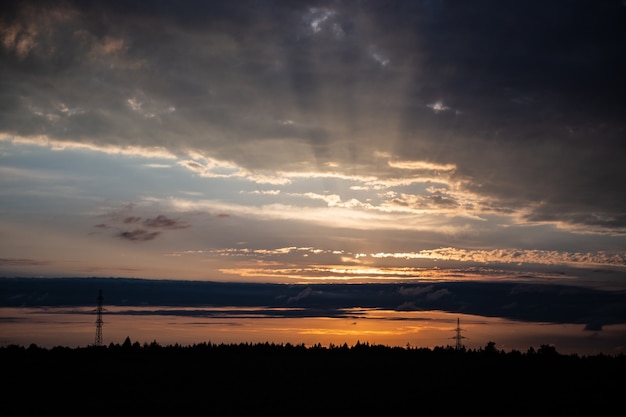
(449, 150)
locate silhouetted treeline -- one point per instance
(280, 379)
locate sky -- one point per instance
(314, 141)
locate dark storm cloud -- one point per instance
(602, 220)
(524, 98)
(538, 87)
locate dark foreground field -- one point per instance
(268, 379)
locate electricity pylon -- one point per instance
(99, 321)
(458, 336)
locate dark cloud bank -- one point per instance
(516, 301)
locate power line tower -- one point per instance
(458, 336)
(99, 321)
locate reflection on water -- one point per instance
(75, 327)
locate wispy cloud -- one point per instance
(518, 256)
(338, 214)
(421, 165)
(58, 145)
(336, 264)
(22, 262)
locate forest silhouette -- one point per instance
(285, 379)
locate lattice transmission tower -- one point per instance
(458, 337)
(99, 321)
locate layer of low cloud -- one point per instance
(518, 301)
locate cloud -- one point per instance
(439, 294)
(526, 121)
(515, 256)
(413, 291)
(305, 293)
(139, 235)
(421, 165)
(164, 222)
(57, 145)
(594, 222)
(121, 219)
(438, 106)
(22, 262)
(350, 214)
(158, 166)
(532, 303)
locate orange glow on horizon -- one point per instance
(424, 329)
